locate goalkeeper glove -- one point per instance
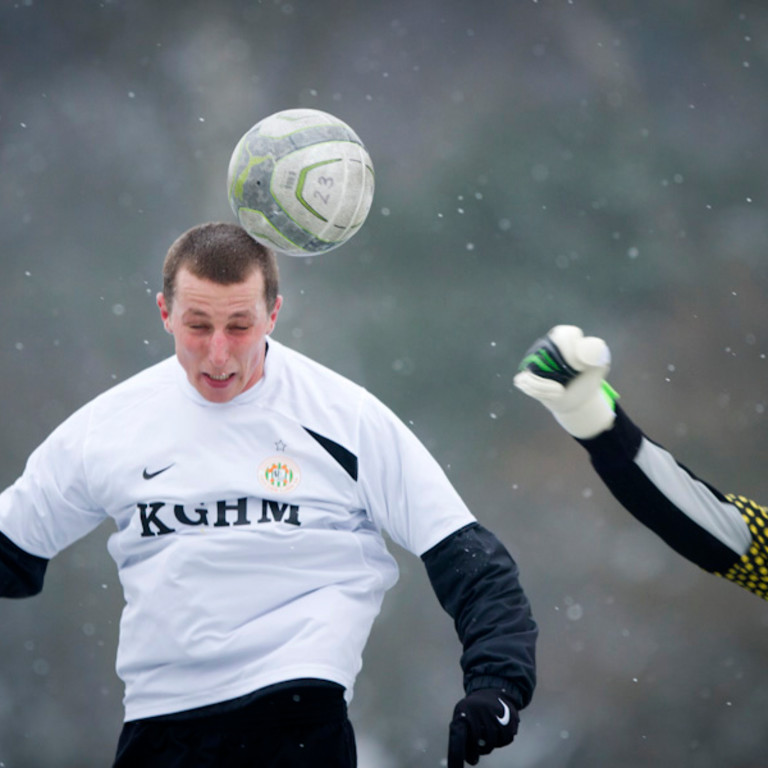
(566, 372)
(482, 720)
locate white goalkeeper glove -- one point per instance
(566, 372)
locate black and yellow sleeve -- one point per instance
(751, 569)
(724, 535)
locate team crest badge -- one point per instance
(279, 474)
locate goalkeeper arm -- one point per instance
(723, 534)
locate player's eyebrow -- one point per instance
(195, 313)
(246, 313)
(240, 314)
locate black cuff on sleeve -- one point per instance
(616, 445)
(21, 574)
(476, 581)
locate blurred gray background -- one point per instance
(599, 163)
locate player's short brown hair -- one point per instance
(223, 253)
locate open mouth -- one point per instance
(218, 380)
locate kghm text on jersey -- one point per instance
(158, 517)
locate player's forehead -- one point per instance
(200, 296)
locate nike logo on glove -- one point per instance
(504, 719)
(149, 475)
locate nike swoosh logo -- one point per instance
(504, 719)
(149, 475)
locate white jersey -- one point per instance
(249, 533)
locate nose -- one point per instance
(218, 350)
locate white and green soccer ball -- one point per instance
(300, 181)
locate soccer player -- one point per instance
(724, 534)
(250, 487)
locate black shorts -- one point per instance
(293, 727)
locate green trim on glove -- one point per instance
(541, 359)
(611, 394)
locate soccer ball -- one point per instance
(300, 181)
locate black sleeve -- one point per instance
(21, 574)
(476, 581)
(614, 455)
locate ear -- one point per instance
(274, 313)
(165, 312)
